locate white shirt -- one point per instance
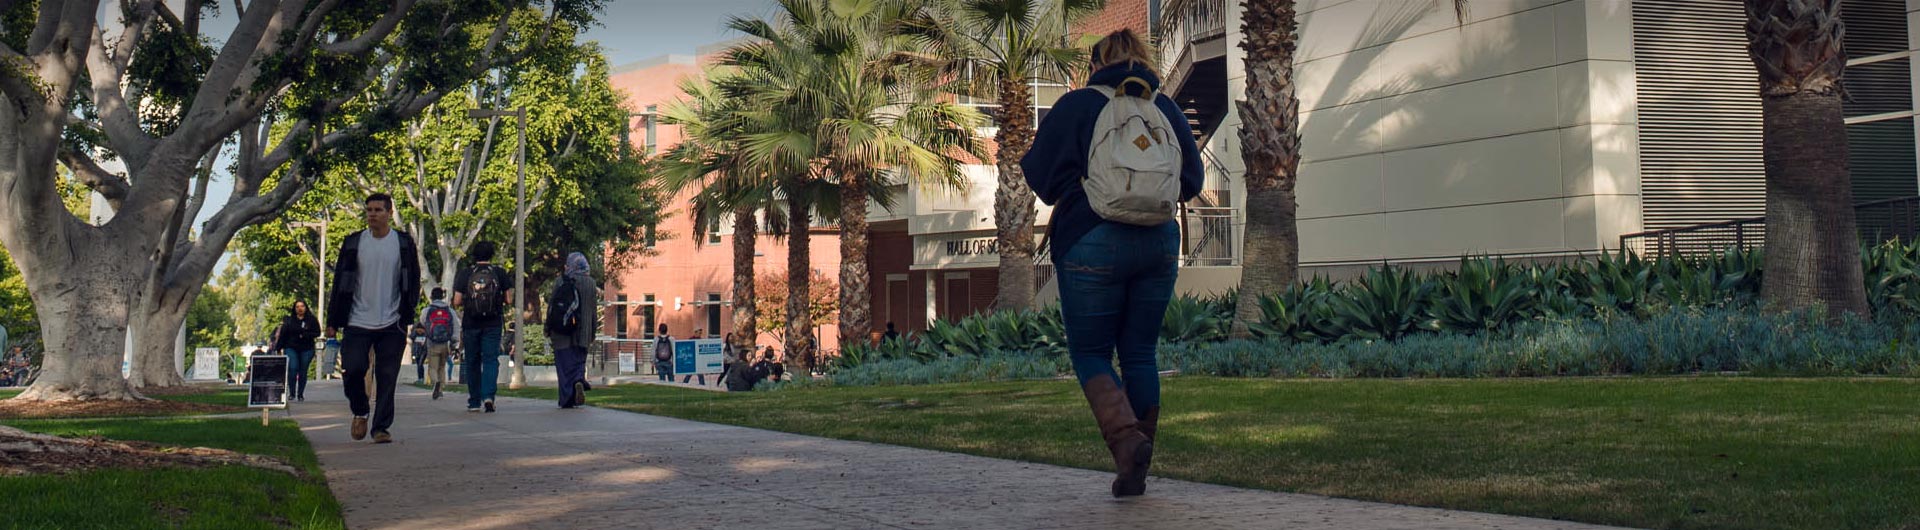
(376, 301)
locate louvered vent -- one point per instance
(1700, 150)
(1881, 153)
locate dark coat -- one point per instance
(346, 279)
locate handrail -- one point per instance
(1878, 220)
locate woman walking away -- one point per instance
(1113, 159)
(295, 338)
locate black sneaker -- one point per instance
(436, 391)
(488, 404)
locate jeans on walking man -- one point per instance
(481, 293)
(375, 290)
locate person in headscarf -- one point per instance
(570, 325)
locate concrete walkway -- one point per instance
(532, 465)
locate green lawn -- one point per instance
(224, 497)
(235, 397)
(1660, 453)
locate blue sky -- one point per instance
(630, 30)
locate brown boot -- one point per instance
(359, 430)
(1131, 449)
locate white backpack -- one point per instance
(1133, 168)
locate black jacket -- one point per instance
(346, 279)
(297, 333)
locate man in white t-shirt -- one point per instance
(375, 290)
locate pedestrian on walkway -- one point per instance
(480, 293)
(295, 338)
(569, 326)
(442, 327)
(728, 358)
(1114, 287)
(375, 290)
(417, 351)
(663, 354)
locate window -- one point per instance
(713, 314)
(650, 236)
(620, 318)
(713, 232)
(653, 119)
(648, 310)
(1879, 107)
(1044, 95)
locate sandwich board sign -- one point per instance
(698, 356)
(267, 384)
(206, 364)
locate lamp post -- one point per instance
(519, 378)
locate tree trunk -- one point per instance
(1270, 142)
(156, 332)
(856, 307)
(82, 296)
(799, 283)
(1013, 210)
(1813, 246)
(745, 319)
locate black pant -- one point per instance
(388, 345)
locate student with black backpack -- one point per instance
(442, 327)
(481, 293)
(569, 325)
(663, 354)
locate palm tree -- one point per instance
(1001, 47)
(710, 156)
(1270, 147)
(872, 109)
(1813, 247)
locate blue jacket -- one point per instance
(1058, 160)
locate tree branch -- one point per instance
(109, 185)
(373, 35)
(118, 120)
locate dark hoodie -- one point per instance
(1058, 159)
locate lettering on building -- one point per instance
(972, 247)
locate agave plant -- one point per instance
(1386, 304)
(1191, 320)
(1482, 295)
(1300, 313)
(1892, 274)
(1617, 282)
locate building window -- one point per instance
(650, 239)
(653, 120)
(713, 232)
(620, 318)
(648, 312)
(1044, 95)
(713, 314)
(1879, 108)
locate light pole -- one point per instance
(519, 377)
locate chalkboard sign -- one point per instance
(267, 381)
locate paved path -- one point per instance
(532, 465)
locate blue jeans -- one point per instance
(297, 362)
(1115, 284)
(482, 364)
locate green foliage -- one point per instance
(209, 323)
(1617, 314)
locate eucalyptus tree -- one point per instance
(294, 87)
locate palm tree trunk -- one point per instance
(1813, 247)
(856, 308)
(745, 320)
(1270, 141)
(799, 287)
(1013, 210)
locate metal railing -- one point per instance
(1200, 20)
(1206, 236)
(1890, 219)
